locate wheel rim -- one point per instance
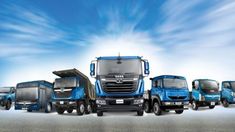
(89, 108)
(48, 107)
(81, 108)
(146, 107)
(194, 105)
(156, 108)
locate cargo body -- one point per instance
(168, 92)
(205, 92)
(34, 96)
(7, 97)
(228, 93)
(119, 83)
(73, 90)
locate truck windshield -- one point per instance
(27, 94)
(174, 83)
(233, 86)
(5, 90)
(130, 66)
(207, 84)
(66, 82)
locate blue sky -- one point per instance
(191, 38)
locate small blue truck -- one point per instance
(228, 93)
(7, 97)
(73, 90)
(119, 83)
(168, 92)
(205, 92)
(34, 96)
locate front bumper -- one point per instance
(65, 103)
(178, 105)
(27, 106)
(119, 104)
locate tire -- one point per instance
(146, 107)
(8, 105)
(179, 111)
(88, 109)
(156, 109)
(211, 106)
(60, 110)
(99, 113)
(225, 103)
(194, 105)
(48, 108)
(80, 108)
(140, 113)
(28, 110)
(70, 110)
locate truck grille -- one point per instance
(123, 87)
(177, 97)
(65, 94)
(210, 91)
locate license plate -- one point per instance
(61, 102)
(119, 101)
(212, 103)
(178, 103)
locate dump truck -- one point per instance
(228, 93)
(205, 92)
(34, 96)
(168, 92)
(119, 83)
(73, 90)
(7, 97)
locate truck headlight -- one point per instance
(138, 101)
(100, 102)
(167, 103)
(103, 79)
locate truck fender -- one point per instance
(156, 98)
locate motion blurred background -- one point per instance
(192, 38)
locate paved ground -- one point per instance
(203, 120)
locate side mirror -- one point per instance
(92, 69)
(146, 67)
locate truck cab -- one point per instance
(73, 90)
(34, 96)
(119, 83)
(228, 93)
(205, 92)
(7, 97)
(168, 92)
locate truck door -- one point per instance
(195, 91)
(42, 97)
(157, 88)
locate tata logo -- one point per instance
(62, 90)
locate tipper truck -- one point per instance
(168, 92)
(119, 83)
(73, 90)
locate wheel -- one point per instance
(80, 108)
(48, 108)
(60, 110)
(146, 107)
(211, 106)
(8, 105)
(99, 113)
(88, 109)
(156, 109)
(225, 103)
(194, 105)
(179, 111)
(70, 110)
(140, 113)
(28, 110)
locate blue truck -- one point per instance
(168, 92)
(205, 92)
(119, 83)
(228, 93)
(7, 97)
(73, 90)
(34, 96)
